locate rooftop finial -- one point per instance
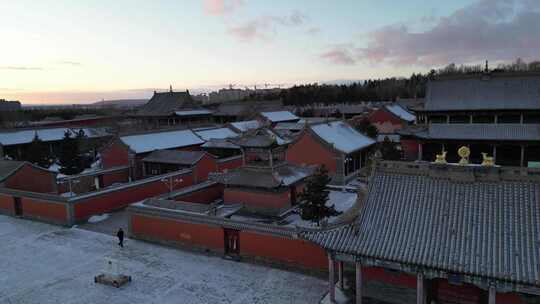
(170, 88)
(487, 67)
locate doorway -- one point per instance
(17, 206)
(232, 241)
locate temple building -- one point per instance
(265, 183)
(440, 233)
(172, 108)
(492, 112)
(334, 144)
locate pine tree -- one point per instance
(315, 196)
(389, 150)
(37, 153)
(69, 160)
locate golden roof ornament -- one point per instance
(464, 152)
(441, 158)
(487, 160)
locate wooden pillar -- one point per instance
(358, 283)
(492, 295)
(470, 119)
(340, 275)
(419, 151)
(496, 119)
(522, 158)
(331, 280)
(420, 294)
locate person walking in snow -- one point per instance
(120, 235)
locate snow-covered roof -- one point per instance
(53, 134)
(143, 143)
(400, 112)
(342, 136)
(192, 112)
(247, 125)
(279, 116)
(215, 133)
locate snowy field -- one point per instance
(47, 264)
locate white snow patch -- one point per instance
(98, 218)
(51, 264)
(68, 194)
(161, 141)
(400, 112)
(342, 136)
(279, 116)
(244, 126)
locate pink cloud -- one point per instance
(221, 7)
(496, 30)
(264, 27)
(339, 55)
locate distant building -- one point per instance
(496, 113)
(170, 109)
(9, 106)
(389, 119)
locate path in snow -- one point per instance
(47, 264)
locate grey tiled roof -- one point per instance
(509, 132)
(283, 175)
(174, 157)
(481, 228)
(167, 103)
(8, 167)
(496, 92)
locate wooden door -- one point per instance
(17, 206)
(232, 241)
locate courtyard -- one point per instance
(42, 263)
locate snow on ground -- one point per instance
(98, 218)
(342, 201)
(48, 264)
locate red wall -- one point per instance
(29, 178)
(266, 200)
(205, 196)
(410, 148)
(116, 154)
(108, 201)
(6, 204)
(309, 151)
(389, 277)
(45, 210)
(203, 167)
(296, 252)
(385, 121)
(169, 230)
(115, 177)
(229, 164)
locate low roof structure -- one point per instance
(260, 138)
(279, 116)
(247, 108)
(483, 222)
(215, 133)
(341, 136)
(505, 132)
(200, 112)
(142, 143)
(18, 137)
(282, 175)
(244, 126)
(400, 112)
(494, 91)
(220, 144)
(8, 167)
(175, 157)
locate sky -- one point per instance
(78, 51)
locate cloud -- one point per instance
(264, 27)
(21, 68)
(221, 7)
(339, 55)
(74, 63)
(313, 30)
(497, 30)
